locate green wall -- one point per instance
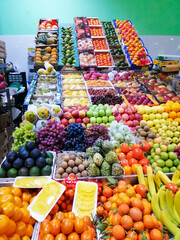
(150, 17)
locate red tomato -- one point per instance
(138, 153)
(144, 161)
(134, 146)
(132, 161)
(141, 189)
(145, 146)
(124, 162)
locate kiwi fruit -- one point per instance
(78, 161)
(60, 170)
(64, 175)
(143, 124)
(57, 175)
(146, 128)
(64, 165)
(84, 173)
(66, 158)
(69, 170)
(71, 163)
(75, 169)
(151, 135)
(78, 174)
(143, 133)
(85, 163)
(81, 167)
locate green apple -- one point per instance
(156, 145)
(164, 127)
(100, 105)
(151, 161)
(164, 115)
(169, 134)
(95, 114)
(99, 120)
(105, 119)
(175, 140)
(175, 124)
(170, 148)
(154, 109)
(89, 124)
(150, 123)
(154, 164)
(169, 139)
(108, 124)
(158, 126)
(89, 106)
(89, 113)
(101, 112)
(92, 120)
(169, 163)
(176, 162)
(172, 155)
(164, 155)
(163, 148)
(177, 134)
(156, 157)
(173, 169)
(162, 121)
(108, 112)
(145, 117)
(155, 122)
(158, 169)
(178, 129)
(111, 118)
(153, 154)
(178, 167)
(160, 163)
(168, 123)
(165, 170)
(158, 116)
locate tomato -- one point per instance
(79, 225)
(124, 162)
(135, 214)
(121, 156)
(138, 226)
(107, 192)
(138, 153)
(141, 189)
(135, 202)
(107, 205)
(129, 155)
(87, 235)
(126, 222)
(145, 146)
(172, 186)
(127, 170)
(144, 161)
(134, 146)
(125, 148)
(67, 226)
(132, 161)
(148, 221)
(132, 235)
(123, 209)
(100, 210)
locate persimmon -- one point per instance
(67, 226)
(148, 221)
(132, 235)
(123, 209)
(118, 232)
(135, 202)
(61, 236)
(116, 219)
(155, 234)
(138, 226)
(107, 192)
(135, 214)
(126, 222)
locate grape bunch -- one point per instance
(75, 139)
(107, 99)
(52, 137)
(22, 135)
(95, 131)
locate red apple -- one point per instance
(135, 123)
(129, 123)
(121, 110)
(82, 114)
(65, 109)
(118, 118)
(64, 121)
(72, 120)
(125, 117)
(131, 116)
(67, 115)
(75, 113)
(78, 120)
(86, 120)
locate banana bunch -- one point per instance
(165, 205)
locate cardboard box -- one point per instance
(9, 144)
(171, 68)
(3, 138)
(5, 120)
(2, 44)
(2, 55)
(9, 130)
(3, 152)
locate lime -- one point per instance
(49, 155)
(172, 155)
(23, 171)
(151, 161)
(169, 163)
(156, 157)
(160, 163)
(12, 173)
(34, 171)
(165, 170)
(176, 162)
(164, 155)
(172, 169)
(2, 173)
(154, 164)
(46, 171)
(178, 167)
(49, 161)
(158, 169)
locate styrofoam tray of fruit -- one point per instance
(69, 162)
(50, 25)
(11, 179)
(95, 83)
(71, 102)
(73, 86)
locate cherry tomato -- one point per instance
(172, 186)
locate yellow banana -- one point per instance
(176, 202)
(178, 182)
(176, 214)
(158, 181)
(149, 197)
(177, 235)
(163, 177)
(146, 181)
(175, 176)
(150, 177)
(140, 174)
(167, 222)
(162, 199)
(155, 206)
(170, 205)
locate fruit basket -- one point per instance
(47, 39)
(70, 161)
(104, 59)
(145, 99)
(98, 83)
(48, 25)
(85, 44)
(93, 22)
(11, 179)
(43, 54)
(72, 101)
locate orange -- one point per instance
(176, 107)
(31, 220)
(6, 198)
(61, 236)
(48, 237)
(16, 191)
(4, 224)
(169, 119)
(55, 225)
(5, 190)
(167, 108)
(29, 230)
(172, 115)
(25, 215)
(25, 204)
(177, 120)
(17, 201)
(14, 237)
(17, 214)
(20, 228)
(3, 237)
(25, 238)
(26, 197)
(11, 228)
(8, 209)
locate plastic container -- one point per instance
(30, 182)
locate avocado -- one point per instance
(34, 171)
(2, 173)
(23, 171)
(30, 146)
(35, 153)
(49, 155)
(12, 173)
(6, 165)
(40, 162)
(29, 162)
(18, 163)
(46, 171)
(49, 161)
(11, 156)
